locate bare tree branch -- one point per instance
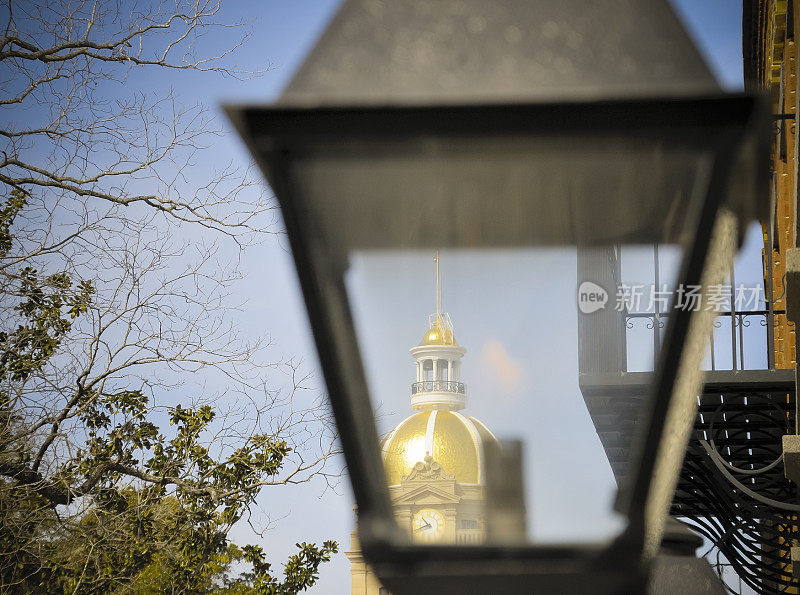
(137, 424)
(65, 66)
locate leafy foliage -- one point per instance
(95, 495)
(41, 301)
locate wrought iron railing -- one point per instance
(740, 343)
(740, 350)
(432, 386)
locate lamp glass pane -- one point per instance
(501, 191)
(555, 254)
(505, 363)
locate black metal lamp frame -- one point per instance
(275, 135)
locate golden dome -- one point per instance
(439, 334)
(452, 439)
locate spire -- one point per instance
(440, 327)
(438, 287)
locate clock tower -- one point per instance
(434, 458)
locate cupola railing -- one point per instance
(433, 386)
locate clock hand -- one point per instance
(427, 525)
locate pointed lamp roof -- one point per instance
(489, 51)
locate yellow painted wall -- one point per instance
(779, 78)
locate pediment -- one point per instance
(427, 494)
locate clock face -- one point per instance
(428, 525)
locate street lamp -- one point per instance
(500, 128)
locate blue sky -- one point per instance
(283, 32)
